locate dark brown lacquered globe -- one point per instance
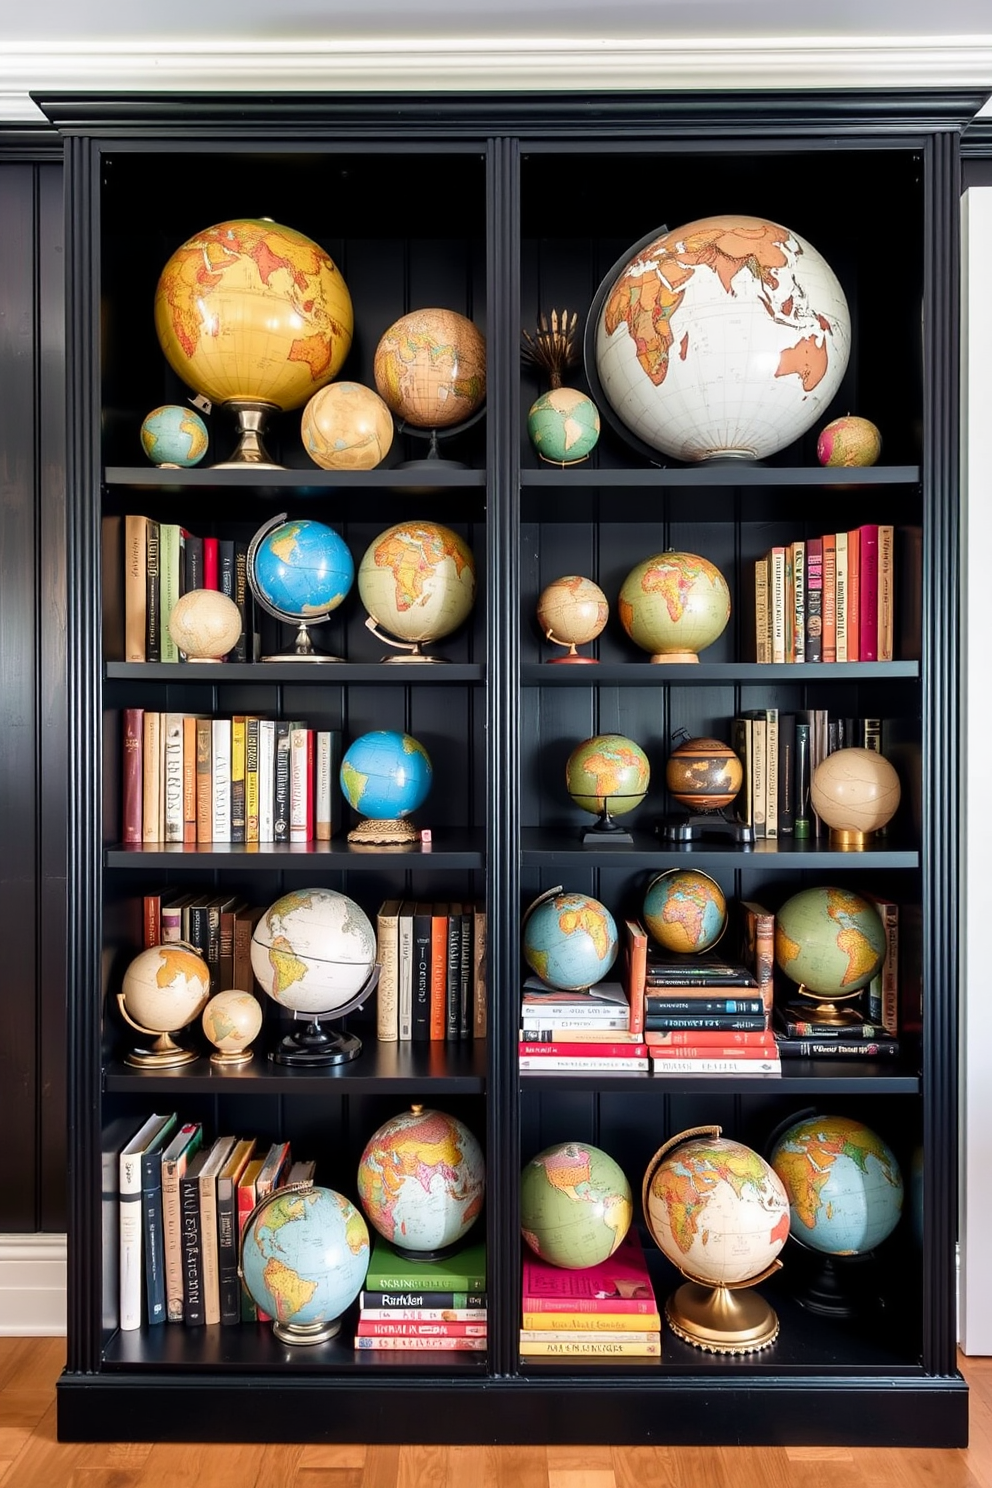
(704, 774)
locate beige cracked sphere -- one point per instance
(205, 624)
(855, 789)
(346, 426)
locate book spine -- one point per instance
(465, 975)
(170, 923)
(404, 974)
(189, 778)
(221, 780)
(786, 774)
(192, 562)
(531, 1024)
(761, 946)
(588, 1312)
(251, 779)
(814, 599)
(708, 1039)
(858, 1033)
(854, 652)
(242, 599)
(655, 1007)
(209, 1250)
(227, 1252)
(170, 559)
(191, 1251)
(762, 625)
(776, 573)
(841, 597)
(703, 978)
(669, 1022)
(298, 785)
(799, 601)
(173, 777)
(151, 754)
(764, 1050)
(439, 1302)
(758, 774)
(172, 1172)
(886, 592)
(464, 1345)
(204, 780)
(439, 972)
(459, 1316)
(602, 1050)
(480, 1003)
(453, 974)
(421, 1025)
(132, 805)
(151, 920)
(245, 921)
(154, 1239)
(797, 1048)
(211, 563)
(771, 772)
(592, 1347)
(829, 597)
(637, 960)
(238, 778)
(280, 797)
(574, 1065)
(311, 786)
(246, 1203)
(135, 588)
(322, 805)
(802, 824)
(387, 1023)
(374, 1328)
(767, 1065)
(535, 1333)
(130, 1241)
(266, 779)
(742, 744)
(153, 617)
(381, 1280)
(225, 976)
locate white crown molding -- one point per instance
(32, 1286)
(418, 65)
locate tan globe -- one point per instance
(572, 610)
(674, 605)
(417, 580)
(231, 1020)
(855, 790)
(251, 311)
(430, 368)
(346, 426)
(164, 989)
(205, 624)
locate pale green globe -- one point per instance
(607, 773)
(829, 940)
(575, 1205)
(674, 605)
(563, 425)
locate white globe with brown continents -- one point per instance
(346, 426)
(855, 791)
(205, 624)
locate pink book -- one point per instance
(620, 1284)
(869, 592)
(211, 563)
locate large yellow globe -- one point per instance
(254, 312)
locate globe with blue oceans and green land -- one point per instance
(844, 1184)
(386, 775)
(304, 1255)
(570, 941)
(685, 910)
(829, 940)
(575, 1205)
(303, 569)
(607, 773)
(563, 425)
(173, 435)
(313, 950)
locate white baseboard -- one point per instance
(32, 1286)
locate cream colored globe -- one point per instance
(251, 311)
(430, 367)
(205, 624)
(572, 610)
(417, 580)
(231, 1020)
(164, 989)
(346, 426)
(856, 792)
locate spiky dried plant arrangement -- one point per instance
(553, 347)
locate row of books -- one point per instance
(220, 927)
(827, 598)
(162, 561)
(180, 1205)
(408, 1303)
(432, 978)
(605, 1311)
(190, 779)
(779, 752)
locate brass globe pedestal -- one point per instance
(164, 1053)
(831, 1010)
(385, 832)
(850, 839)
(308, 1333)
(727, 1319)
(412, 648)
(225, 1060)
(252, 418)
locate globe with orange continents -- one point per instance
(422, 1179)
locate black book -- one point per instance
(801, 1048)
(699, 1006)
(225, 566)
(152, 1220)
(723, 1022)
(453, 979)
(192, 563)
(699, 971)
(153, 603)
(798, 1022)
(228, 1233)
(420, 1029)
(280, 806)
(786, 773)
(465, 976)
(242, 598)
(191, 1241)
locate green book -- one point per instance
(465, 1271)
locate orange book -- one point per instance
(829, 596)
(637, 966)
(439, 970)
(189, 778)
(854, 595)
(204, 780)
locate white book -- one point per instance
(221, 736)
(567, 1064)
(266, 778)
(404, 963)
(129, 1238)
(387, 1019)
(322, 772)
(174, 777)
(547, 1020)
(776, 597)
(716, 1066)
(298, 795)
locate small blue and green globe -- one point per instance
(570, 941)
(563, 426)
(829, 940)
(174, 435)
(304, 1255)
(844, 1185)
(386, 775)
(302, 569)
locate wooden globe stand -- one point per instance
(675, 658)
(726, 1319)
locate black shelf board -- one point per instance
(342, 673)
(543, 847)
(706, 673)
(456, 1069)
(730, 473)
(449, 849)
(832, 1076)
(448, 475)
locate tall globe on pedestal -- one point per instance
(417, 581)
(257, 317)
(723, 339)
(165, 988)
(674, 605)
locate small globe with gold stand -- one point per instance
(165, 988)
(572, 611)
(705, 776)
(231, 1020)
(831, 942)
(205, 624)
(719, 1213)
(857, 793)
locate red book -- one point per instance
(211, 563)
(767, 1050)
(584, 1051)
(637, 966)
(366, 1329)
(620, 1284)
(854, 595)
(133, 774)
(439, 971)
(681, 1040)
(758, 950)
(311, 795)
(829, 596)
(869, 591)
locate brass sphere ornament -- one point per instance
(857, 793)
(205, 624)
(572, 611)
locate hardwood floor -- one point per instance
(30, 1457)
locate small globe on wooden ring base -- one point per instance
(205, 624)
(856, 792)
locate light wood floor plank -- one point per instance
(332, 1455)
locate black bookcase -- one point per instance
(502, 207)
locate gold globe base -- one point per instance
(163, 1054)
(307, 1334)
(720, 1319)
(379, 833)
(850, 839)
(676, 658)
(831, 1010)
(232, 1060)
(252, 418)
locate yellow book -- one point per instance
(539, 1335)
(251, 779)
(594, 1347)
(238, 778)
(591, 1322)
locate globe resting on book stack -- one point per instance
(569, 940)
(299, 572)
(421, 1182)
(575, 1205)
(314, 953)
(604, 1311)
(685, 911)
(165, 988)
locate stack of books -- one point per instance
(606, 1311)
(579, 1032)
(704, 1015)
(412, 1304)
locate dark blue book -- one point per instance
(191, 1242)
(421, 1025)
(242, 598)
(152, 1221)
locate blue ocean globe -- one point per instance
(386, 775)
(174, 435)
(302, 569)
(304, 1255)
(570, 941)
(844, 1184)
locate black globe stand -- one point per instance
(442, 1253)
(606, 833)
(841, 1287)
(701, 824)
(434, 460)
(316, 1047)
